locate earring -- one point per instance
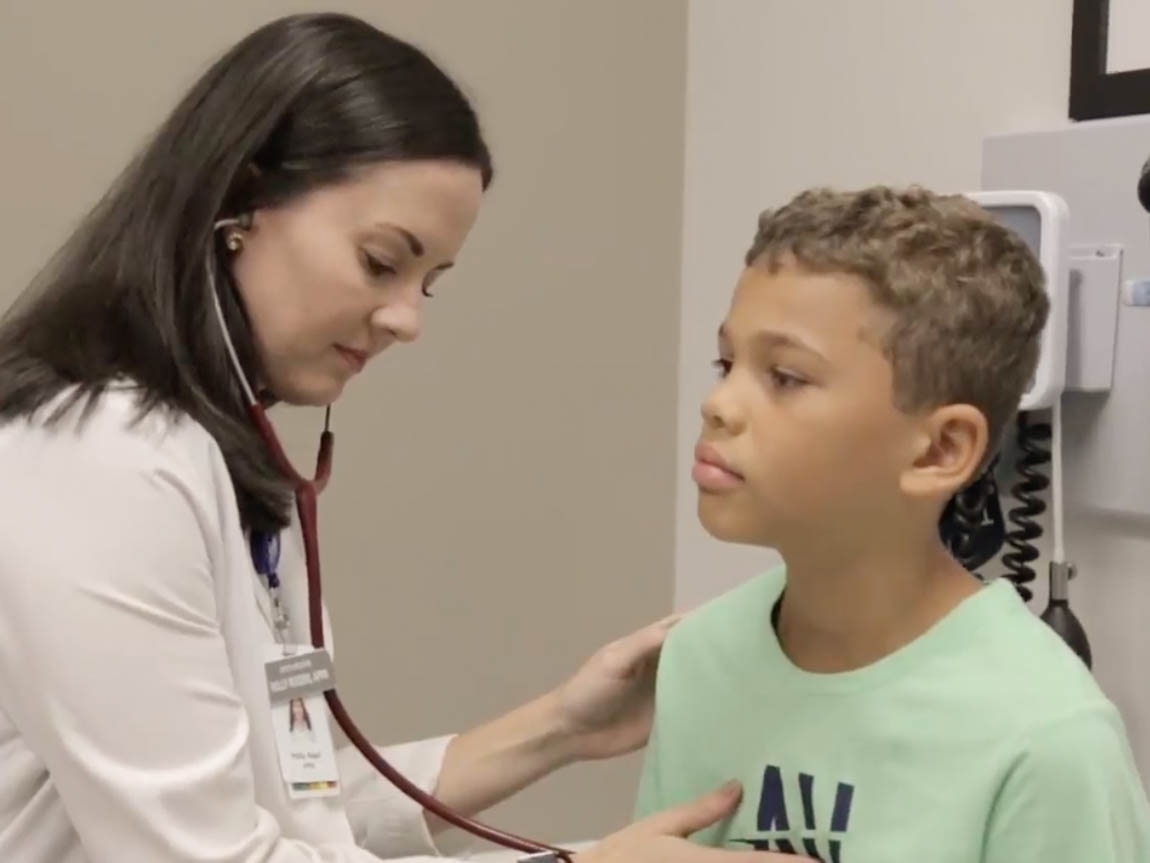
(234, 241)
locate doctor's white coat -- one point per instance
(135, 725)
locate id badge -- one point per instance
(297, 677)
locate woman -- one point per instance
(299, 723)
(314, 183)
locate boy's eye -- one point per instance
(786, 380)
(375, 267)
(723, 367)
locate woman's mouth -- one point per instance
(355, 359)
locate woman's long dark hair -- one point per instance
(297, 104)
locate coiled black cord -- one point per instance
(1034, 454)
(972, 526)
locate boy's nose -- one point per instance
(721, 410)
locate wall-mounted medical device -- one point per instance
(1078, 196)
(1041, 219)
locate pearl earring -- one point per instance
(234, 241)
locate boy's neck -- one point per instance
(841, 615)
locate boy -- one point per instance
(878, 703)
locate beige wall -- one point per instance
(502, 502)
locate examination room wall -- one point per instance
(894, 91)
(502, 500)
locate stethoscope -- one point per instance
(306, 495)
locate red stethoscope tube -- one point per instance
(306, 495)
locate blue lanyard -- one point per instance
(266, 555)
(265, 548)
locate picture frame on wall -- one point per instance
(1110, 59)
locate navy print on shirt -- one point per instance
(774, 821)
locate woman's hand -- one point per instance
(662, 837)
(604, 710)
(607, 707)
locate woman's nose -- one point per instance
(401, 318)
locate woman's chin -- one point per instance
(317, 391)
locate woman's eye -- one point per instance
(723, 367)
(375, 267)
(786, 380)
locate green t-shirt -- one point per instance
(985, 740)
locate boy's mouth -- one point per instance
(711, 471)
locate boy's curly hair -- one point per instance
(967, 294)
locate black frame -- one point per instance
(1094, 93)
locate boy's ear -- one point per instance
(949, 446)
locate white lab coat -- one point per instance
(135, 725)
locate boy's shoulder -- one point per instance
(1010, 663)
(725, 633)
(991, 656)
(732, 615)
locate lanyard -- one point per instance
(265, 547)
